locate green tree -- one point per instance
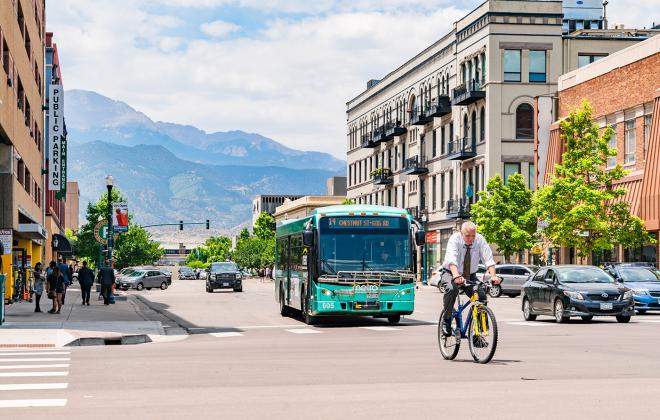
(245, 234)
(579, 204)
(504, 214)
(254, 253)
(264, 226)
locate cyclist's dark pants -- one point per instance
(452, 290)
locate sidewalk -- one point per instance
(127, 317)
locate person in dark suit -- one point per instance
(107, 279)
(86, 280)
(64, 271)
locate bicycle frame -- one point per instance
(463, 327)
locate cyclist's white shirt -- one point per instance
(456, 253)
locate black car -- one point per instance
(563, 291)
(224, 275)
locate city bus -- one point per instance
(348, 260)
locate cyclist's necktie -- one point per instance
(467, 262)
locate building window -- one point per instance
(442, 140)
(537, 66)
(524, 121)
(647, 133)
(629, 148)
(482, 124)
(611, 160)
(531, 174)
(433, 194)
(451, 184)
(584, 59)
(511, 65)
(510, 169)
(476, 183)
(442, 190)
(451, 131)
(433, 144)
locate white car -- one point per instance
(436, 275)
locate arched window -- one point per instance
(482, 125)
(524, 121)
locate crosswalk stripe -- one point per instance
(531, 324)
(226, 334)
(30, 374)
(56, 365)
(32, 403)
(303, 331)
(39, 359)
(381, 328)
(26, 387)
(25, 353)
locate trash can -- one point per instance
(2, 297)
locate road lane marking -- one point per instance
(531, 324)
(32, 403)
(30, 374)
(304, 331)
(257, 327)
(381, 328)
(40, 359)
(26, 387)
(25, 353)
(226, 334)
(56, 365)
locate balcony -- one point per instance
(392, 130)
(458, 209)
(440, 106)
(420, 117)
(367, 141)
(378, 134)
(382, 176)
(462, 149)
(467, 94)
(415, 166)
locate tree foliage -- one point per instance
(504, 214)
(264, 226)
(580, 204)
(215, 248)
(254, 252)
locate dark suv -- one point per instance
(224, 275)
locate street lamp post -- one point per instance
(425, 251)
(111, 236)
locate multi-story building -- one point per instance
(429, 135)
(624, 90)
(72, 216)
(268, 204)
(22, 41)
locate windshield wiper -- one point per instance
(327, 264)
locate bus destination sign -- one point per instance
(363, 223)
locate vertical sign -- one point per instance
(55, 130)
(120, 217)
(6, 241)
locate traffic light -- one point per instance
(180, 224)
(207, 224)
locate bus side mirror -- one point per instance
(308, 238)
(420, 237)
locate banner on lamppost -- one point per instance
(120, 217)
(55, 132)
(63, 167)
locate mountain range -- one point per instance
(171, 172)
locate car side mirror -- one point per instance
(420, 237)
(308, 238)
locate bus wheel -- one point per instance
(284, 310)
(307, 317)
(394, 319)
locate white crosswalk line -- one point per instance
(226, 334)
(381, 328)
(26, 387)
(25, 353)
(531, 324)
(31, 374)
(56, 365)
(303, 331)
(39, 359)
(32, 403)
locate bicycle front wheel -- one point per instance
(482, 335)
(450, 345)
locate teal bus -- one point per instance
(348, 260)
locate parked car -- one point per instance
(145, 279)
(513, 277)
(224, 275)
(204, 274)
(643, 279)
(436, 274)
(121, 274)
(187, 273)
(563, 291)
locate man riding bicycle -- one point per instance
(464, 250)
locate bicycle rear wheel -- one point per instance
(449, 346)
(482, 335)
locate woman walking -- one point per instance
(55, 288)
(38, 285)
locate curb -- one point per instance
(178, 330)
(109, 341)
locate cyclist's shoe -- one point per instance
(479, 342)
(446, 328)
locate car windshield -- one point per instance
(226, 267)
(534, 268)
(583, 275)
(186, 269)
(126, 271)
(364, 244)
(639, 275)
(136, 273)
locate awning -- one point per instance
(32, 231)
(61, 244)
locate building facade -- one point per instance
(624, 90)
(303, 206)
(72, 216)
(429, 135)
(268, 204)
(22, 40)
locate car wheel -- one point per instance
(641, 311)
(587, 318)
(527, 311)
(209, 289)
(495, 291)
(139, 286)
(623, 319)
(559, 312)
(394, 319)
(239, 289)
(163, 285)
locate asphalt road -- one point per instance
(244, 361)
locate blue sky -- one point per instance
(282, 68)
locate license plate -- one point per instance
(372, 295)
(225, 284)
(606, 306)
(366, 305)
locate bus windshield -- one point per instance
(364, 243)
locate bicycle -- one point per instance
(480, 328)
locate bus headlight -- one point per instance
(326, 292)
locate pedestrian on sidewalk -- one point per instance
(55, 288)
(64, 271)
(107, 280)
(86, 280)
(39, 281)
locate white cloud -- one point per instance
(219, 28)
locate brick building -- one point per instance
(624, 90)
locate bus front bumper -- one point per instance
(357, 307)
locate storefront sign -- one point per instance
(432, 237)
(6, 241)
(55, 132)
(120, 216)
